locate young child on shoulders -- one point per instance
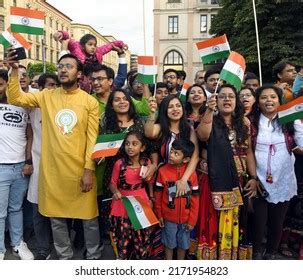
(128, 180)
(177, 215)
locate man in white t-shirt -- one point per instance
(13, 171)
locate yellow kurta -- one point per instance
(63, 156)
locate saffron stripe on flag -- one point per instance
(27, 13)
(147, 69)
(212, 42)
(147, 60)
(22, 41)
(290, 104)
(105, 153)
(238, 59)
(147, 79)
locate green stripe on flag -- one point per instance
(231, 78)
(131, 213)
(110, 137)
(214, 56)
(147, 79)
(4, 42)
(26, 29)
(291, 117)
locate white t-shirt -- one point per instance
(13, 123)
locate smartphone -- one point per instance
(21, 54)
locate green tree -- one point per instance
(37, 68)
(280, 32)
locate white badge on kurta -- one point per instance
(66, 120)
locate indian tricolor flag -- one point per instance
(233, 70)
(139, 212)
(291, 111)
(183, 92)
(8, 39)
(108, 145)
(213, 49)
(27, 21)
(147, 69)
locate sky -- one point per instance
(122, 19)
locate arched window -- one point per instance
(173, 59)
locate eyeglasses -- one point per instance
(170, 77)
(98, 79)
(245, 95)
(67, 66)
(225, 97)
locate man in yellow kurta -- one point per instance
(69, 129)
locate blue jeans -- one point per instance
(13, 187)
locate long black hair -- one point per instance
(110, 116)
(188, 107)
(164, 122)
(255, 114)
(237, 118)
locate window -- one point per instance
(174, 1)
(203, 23)
(38, 52)
(50, 22)
(29, 53)
(52, 56)
(1, 3)
(214, 2)
(2, 28)
(51, 40)
(173, 59)
(173, 24)
(57, 25)
(15, 3)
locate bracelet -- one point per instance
(254, 178)
(206, 122)
(29, 162)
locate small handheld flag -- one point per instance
(139, 212)
(213, 49)
(147, 69)
(27, 21)
(291, 111)
(183, 92)
(108, 145)
(16, 40)
(233, 70)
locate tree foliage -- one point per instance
(280, 31)
(37, 68)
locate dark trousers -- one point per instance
(273, 216)
(42, 228)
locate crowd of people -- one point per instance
(221, 173)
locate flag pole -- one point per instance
(43, 55)
(144, 27)
(257, 38)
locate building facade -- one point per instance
(178, 25)
(54, 20)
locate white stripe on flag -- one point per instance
(214, 49)
(106, 146)
(140, 215)
(147, 69)
(234, 68)
(291, 110)
(33, 22)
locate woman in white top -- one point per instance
(273, 144)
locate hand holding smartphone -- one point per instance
(20, 52)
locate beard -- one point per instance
(69, 83)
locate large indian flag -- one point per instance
(213, 49)
(108, 145)
(147, 69)
(233, 70)
(16, 40)
(139, 212)
(291, 111)
(183, 92)
(27, 21)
